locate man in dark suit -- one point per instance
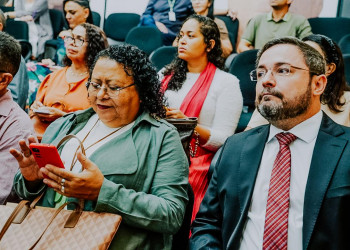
(267, 193)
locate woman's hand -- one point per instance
(36, 105)
(10, 14)
(47, 62)
(65, 33)
(174, 113)
(27, 164)
(232, 13)
(162, 27)
(53, 114)
(85, 185)
(27, 18)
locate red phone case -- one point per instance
(46, 154)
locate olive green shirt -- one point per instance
(146, 179)
(263, 28)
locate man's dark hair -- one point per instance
(10, 53)
(137, 65)
(2, 20)
(313, 59)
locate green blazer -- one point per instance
(222, 217)
(146, 178)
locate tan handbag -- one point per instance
(27, 226)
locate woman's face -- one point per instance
(115, 108)
(75, 14)
(201, 7)
(77, 46)
(191, 42)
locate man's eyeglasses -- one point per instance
(282, 70)
(77, 41)
(111, 91)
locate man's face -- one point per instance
(279, 3)
(281, 95)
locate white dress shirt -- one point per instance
(301, 153)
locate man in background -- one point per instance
(19, 86)
(14, 122)
(277, 23)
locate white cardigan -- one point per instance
(221, 109)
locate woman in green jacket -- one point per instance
(134, 166)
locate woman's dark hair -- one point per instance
(96, 40)
(137, 65)
(178, 67)
(336, 83)
(83, 3)
(211, 9)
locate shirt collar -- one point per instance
(5, 104)
(285, 18)
(306, 131)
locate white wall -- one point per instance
(329, 8)
(118, 6)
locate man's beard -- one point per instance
(286, 109)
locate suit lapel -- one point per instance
(326, 154)
(250, 161)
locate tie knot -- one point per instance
(285, 138)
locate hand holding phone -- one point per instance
(46, 154)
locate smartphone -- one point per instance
(41, 111)
(46, 154)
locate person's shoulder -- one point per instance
(226, 78)
(220, 23)
(328, 125)
(240, 137)
(59, 71)
(21, 121)
(259, 17)
(297, 17)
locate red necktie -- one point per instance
(276, 218)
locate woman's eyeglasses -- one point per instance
(77, 41)
(111, 91)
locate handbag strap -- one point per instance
(72, 220)
(12, 217)
(78, 208)
(17, 211)
(68, 137)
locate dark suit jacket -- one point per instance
(326, 221)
